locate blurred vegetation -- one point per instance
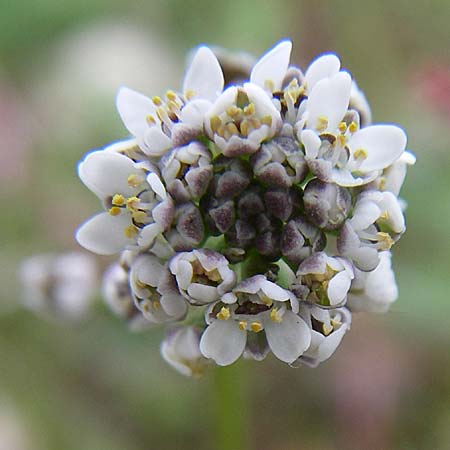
(97, 386)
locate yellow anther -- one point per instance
(382, 184)
(275, 316)
(269, 85)
(157, 100)
(118, 200)
(245, 128)
(156, 305)
(384, 216)
(232, 128)
(266, 300)
(223, 314)
(360, 153)
(150, 120)
(233, 111)
(132, 202)
(189, 94)
(172, 105)
(215, 123)
(243, 325)
(385, 242)
(131, 231)
(249, 110)
(327, 329)
(342, 127)
(114, 211)
(256, 327)
(139, 216)
(322, 123)
(336, 323)
(353, 127)
(171, 95)
(266, 120)
(134, 181)
(342, 140)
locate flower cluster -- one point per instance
(253, 215)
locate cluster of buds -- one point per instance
(252, 216)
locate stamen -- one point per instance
(171, 95)
(256, 327)
(342, 127)
(131, 231)
(114, 211)
(134, 180)
(243, 325)
(118, 200)
(327, 329)
(266, 120)
(385, 242)
(215, 123)
(223, 314)
(275, 316)
(322, 123)
(360, 153)
(353, 127)
(157, 100)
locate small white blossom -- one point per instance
(374, 291)
(154, 290)
(327, 278)
(116, 292)
(376, 224)
(327, 330)
(138, 207)
(59, 286)
(160, 124)
(202, 275)
(241, 119)
(254, 306)
(180, 349)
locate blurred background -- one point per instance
(98, 386)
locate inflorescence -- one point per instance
(253, 214)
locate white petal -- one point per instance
(288, 339)
(194, 112)
(272, 66)
(174, 305)
(383, 145)
(202, 293)
(364, 215)
(149, 270)
(133, 109)
(156, 184)
(338, 288)
(329, 99)
(104, 234)
(107, 173)
(343, 177)
(323, 67)
(274, 292)
(331, 343)
(204, 76)
(223, 341)
(148, 234)
(156, 142)
(311, 142)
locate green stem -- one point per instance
(231, 407)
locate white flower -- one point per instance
(139, 208)
(61, 286)
(255, 305)
(338, 151)
(160, 124)
(374, 291)
(116, 293)
(327, 278)
(327, 330)
(241, 119)
(202, 275)
(154, 290)
(376, 224)
(181, 350)
(393, 176)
